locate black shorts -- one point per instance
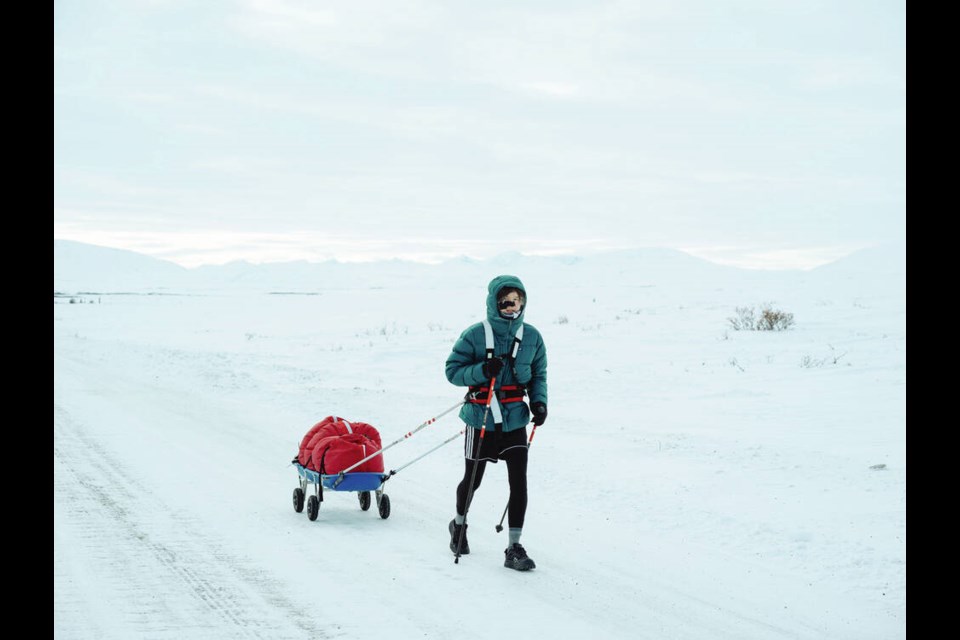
(495, 446)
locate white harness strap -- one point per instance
(488, 336)
(516, 342)
(495, 410)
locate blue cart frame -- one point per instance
(361, 482)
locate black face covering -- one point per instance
(507, 310)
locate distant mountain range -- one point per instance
(80, 267)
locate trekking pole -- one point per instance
(476, 461)
(340, 476)
(499, 527)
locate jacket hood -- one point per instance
(498, 283)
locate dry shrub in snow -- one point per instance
(744, 320)
(770, 319)
(774, 320)
(809, 362)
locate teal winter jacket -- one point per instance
(465, 364)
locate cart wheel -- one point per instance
(298, 499)
(313, 507)
(364, 500)
(384, 506)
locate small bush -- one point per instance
(562, 320)
(774, 320)
(770, 319)
(744, 320)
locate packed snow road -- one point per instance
(173, 433)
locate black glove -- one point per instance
(492, 367)
(539, 410)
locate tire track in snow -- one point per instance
(122, 556)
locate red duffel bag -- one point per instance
(335, 444)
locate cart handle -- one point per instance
(397, 441)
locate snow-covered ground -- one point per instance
(692, 481)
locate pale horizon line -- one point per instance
(749, 258)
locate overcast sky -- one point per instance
(762, 133)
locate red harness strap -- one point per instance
(508, 393)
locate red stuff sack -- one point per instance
(335, 444)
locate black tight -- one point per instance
(516, 460)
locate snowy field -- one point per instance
(691, 482)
